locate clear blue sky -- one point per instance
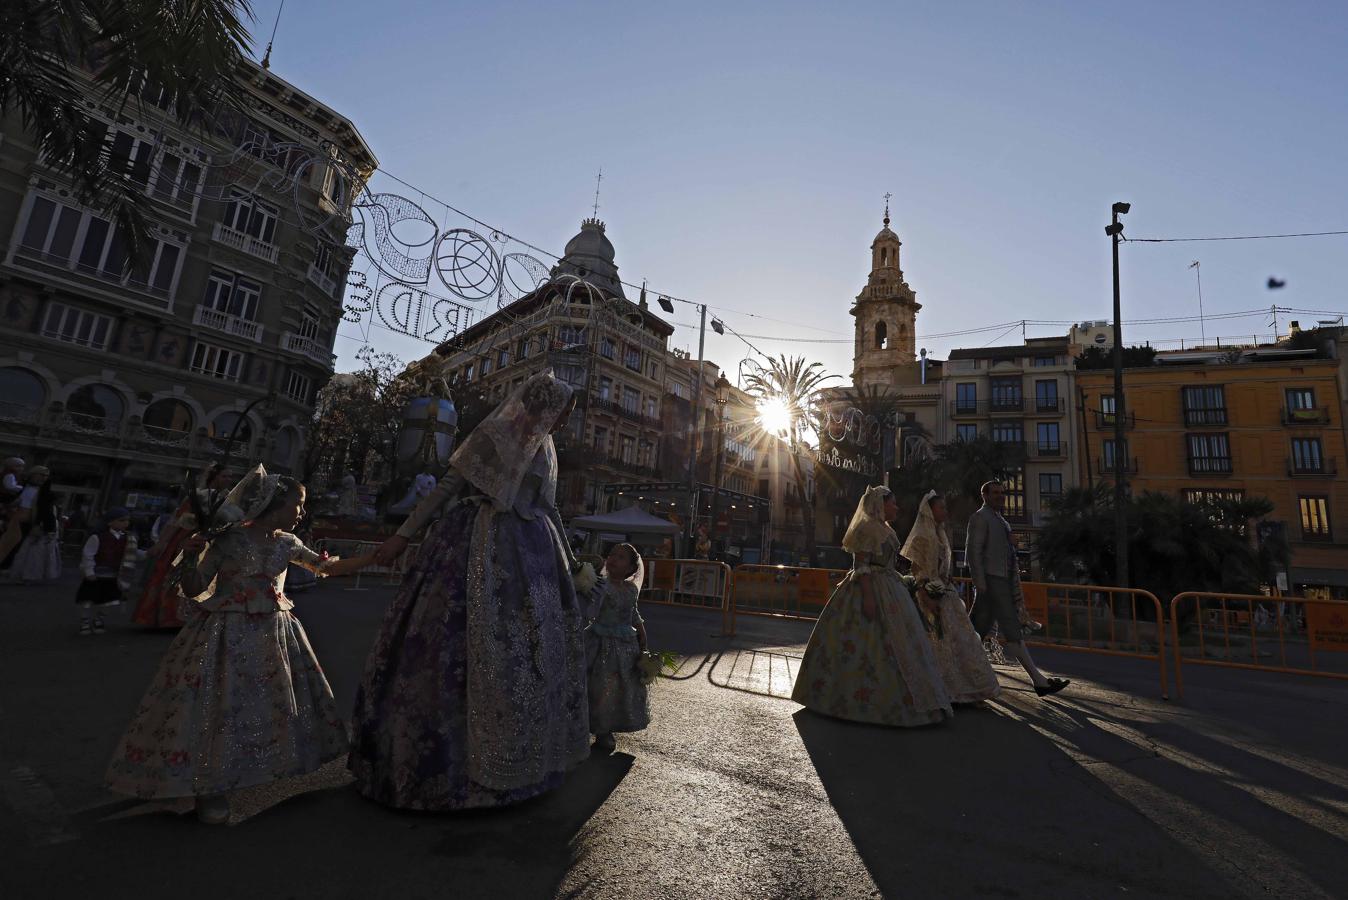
(746, 147)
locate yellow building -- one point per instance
(1263, 421)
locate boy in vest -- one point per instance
(105, 563)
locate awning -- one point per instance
(1302, 575)
(626, 521)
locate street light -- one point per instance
(722, 398)
(1115, 232)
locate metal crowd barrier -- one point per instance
(345, 547)
(698, 583)
(784, 592)
(1238, 630)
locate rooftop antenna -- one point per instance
(266, 57)
(597, 179)
(1198, 272)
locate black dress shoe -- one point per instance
(1054, 685)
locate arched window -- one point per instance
(22, 394)
(283, 452)
(168, 417)
(96, 407)
(224, 426)
(881, 336)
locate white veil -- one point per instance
(868, 531)
(927, 546)
(497, 455)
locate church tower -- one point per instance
(886, 315)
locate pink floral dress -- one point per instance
(239, 698)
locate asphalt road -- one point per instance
(1103, 791)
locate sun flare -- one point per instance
(774, 415)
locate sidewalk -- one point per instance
(1103, 791)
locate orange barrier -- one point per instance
(784, 592)
(1315, 625)
(698, 583)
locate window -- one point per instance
(129, 156)
(653, 372)
(522, 349)
(605, 388)
(572, 375)
(1112, 458)
(167, 417)
(77, 326)
(966, 432)
(1209, 454)
(232, 294)
(632, 358)
(1204, 405)
(881, 336)
(1050, 487)
(966, 398)
(1046, 396)
(1014, 483)
(1307, 455)
(1314, 518)
(96, 407)
(177, 180)
(628, 448)
(1008, 432)
(298, 387)
(503, 358)
(601, 441)
(230, 426)
(1212, 495)
(218, 362)
(486, 365)
(678, 389)
(283, 447)
(1006, 393)
(468, 372)
(652, 409)
(631, 400)
(22, 393)
(78, 239)
(1107, 405)
(1045, 361)
(1049, 444)
(1300, 398)
(309, 325)
(246, 214)
(607, 348)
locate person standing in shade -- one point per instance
(991, 556)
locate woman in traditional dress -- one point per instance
(39, 556)
(239, 698)
(161, 604)
(959, 653)
(474, 692)
(869, 659)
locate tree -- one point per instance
(357, 419)
(1103, 358)
(187, 48)
(793, 383)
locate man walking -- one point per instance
(991, 556)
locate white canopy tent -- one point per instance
(630, 524)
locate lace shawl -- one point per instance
(928, 547)
(868, 531)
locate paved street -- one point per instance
(1105, 791)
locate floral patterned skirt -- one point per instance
(960, 655)
(619, 701)
(413, 746)
(880, 670)
(161, 604)
(239, 699)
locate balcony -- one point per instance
(1048, 406)
(307, 346)
(1209, 465)
(322, 281)
(1001, 406)
(618, 409)
(1108, 466)
(1305, 418)
(1012, 404)
(622, 465)
(1215, 416)
(1312, 468)
(1046, 451)
(1104, 421)
(218, 321)
(244, 243)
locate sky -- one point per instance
(746, 149)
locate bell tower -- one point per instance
(886, 316)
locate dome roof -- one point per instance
(886, 235)
(589, 256)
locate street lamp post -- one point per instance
(1115, 232)
(722, 397)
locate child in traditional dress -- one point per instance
(614, 643)
(106, 562)
(239, 698)
(39, 556)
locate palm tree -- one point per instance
(793, 382)
(187, 48)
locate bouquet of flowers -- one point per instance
(927, 598)
(652, 663)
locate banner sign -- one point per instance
(1327, 624)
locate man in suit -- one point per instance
(991, 556)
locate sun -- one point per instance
(774, 415)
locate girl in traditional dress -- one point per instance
(474, 692)
(239, 698)
(39, 556)
(614, 642)
(161, 603)
(959, 653)
(869, 659)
